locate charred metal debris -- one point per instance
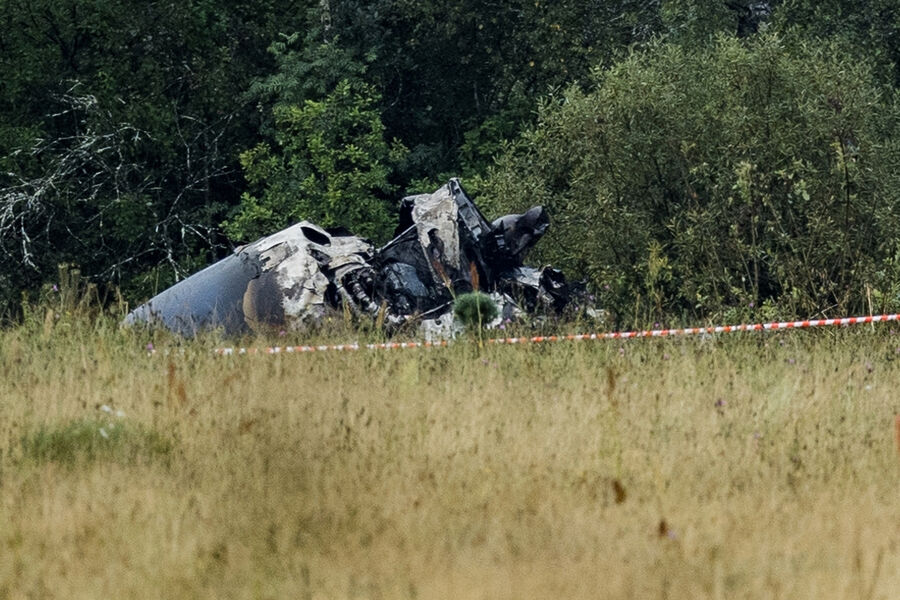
(293, 279)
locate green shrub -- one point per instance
(87, 440)
(475, 309)
(699, 182)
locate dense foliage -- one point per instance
(327, 153)
(119, 130)
(697, 180)
(140, 142)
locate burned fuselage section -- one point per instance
(286, 278)
(292, 279)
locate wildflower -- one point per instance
(149, 346)
(791, 361)
(282, 333)
(55, 288)
(752, 304)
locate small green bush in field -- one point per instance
(475, 309)
(694, 182)
(87, 440)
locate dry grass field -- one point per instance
(748, 466)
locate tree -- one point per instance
(330, 164)
(133, 114)
(697, 181)
(457, 78)
(700, 21)
(867, 29)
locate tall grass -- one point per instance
(88, 440)
(741, 467)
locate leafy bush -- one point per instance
(475, 309)
(701, 182)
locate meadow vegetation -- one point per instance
(751, 466)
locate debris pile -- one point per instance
(292, 279)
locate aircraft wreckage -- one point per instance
(294, 278)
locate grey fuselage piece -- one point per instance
(293, 278)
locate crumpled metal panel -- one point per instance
(520, 232)
(437, 230)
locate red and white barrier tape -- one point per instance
(617, 335)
